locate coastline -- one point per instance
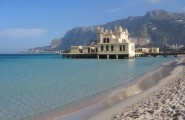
(118, 109)
(93, 107)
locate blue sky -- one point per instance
(32, 23)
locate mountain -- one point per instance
(79, 36)
(55, 44)
(155, 28)
(53, 48)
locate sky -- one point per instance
(34, 23)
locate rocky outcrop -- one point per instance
(55, 44)
(53, 48)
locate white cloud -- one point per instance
(114, 10)
(22, 32)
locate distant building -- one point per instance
(142, 50)
(154, 50)
(114, 44)
(147, 50)
(109, 45)
(83, 49)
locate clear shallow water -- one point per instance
(33, 84)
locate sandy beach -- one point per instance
(162, 101)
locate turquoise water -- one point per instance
(35, 84)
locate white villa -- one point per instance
(114, 44)
(109, 45)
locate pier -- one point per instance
(175, 54)
(78, 55)
(117, 56)
(95, 55)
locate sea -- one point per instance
(36, 84)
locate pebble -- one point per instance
(166, 103)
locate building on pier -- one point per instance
(147, 50)
(114, 44)
(83, 49)
(110, 44)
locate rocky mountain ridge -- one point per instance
(53, 48)
(155, 28)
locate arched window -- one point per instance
(107, 48)
(108, 40)
(112, 47)
(123, 47)
(101, 47)
(120, 48)
(96, 50)
(104, 40)
(80, 50)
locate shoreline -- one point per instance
(115, 111)
(121, 94)
(93, 105)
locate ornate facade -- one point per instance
(109, 45)
(114, 44)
